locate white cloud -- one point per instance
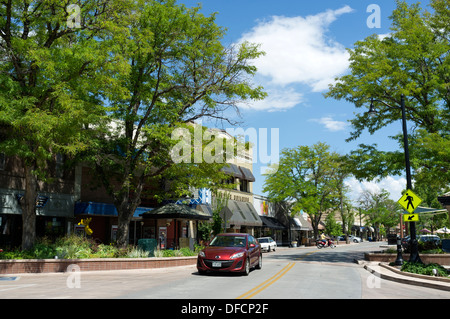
(331, 124)
(298, 50)
(278, 99)
(393, 185)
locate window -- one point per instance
(245, 186)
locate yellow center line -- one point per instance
(266, 283)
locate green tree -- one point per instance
(52, 72)
(412, 60)
(179, 72)
(381, 211)
(306, 178)
(332, 228)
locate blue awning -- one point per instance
(102, 209)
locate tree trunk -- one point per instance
(123, 228)
(28, 204)
(125, 210)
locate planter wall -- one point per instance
(17, 266)
(441, 259)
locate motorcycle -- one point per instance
(325, 243)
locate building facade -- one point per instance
(54, 204)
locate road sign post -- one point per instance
(410, 201)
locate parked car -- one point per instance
(355, 239)
(436, 240)
(405, 241)
(267, 243)
(429, 238)
(230, 252)
(350, 238)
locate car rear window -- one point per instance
(263, 240)
(228, 241)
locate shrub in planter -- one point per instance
(422, 269)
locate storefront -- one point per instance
(175, 225)
(241, 217)
(54, 216)
(104, 221)
(272, 227)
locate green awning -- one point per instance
(176, 211)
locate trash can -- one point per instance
(148, 244)
(392, 239)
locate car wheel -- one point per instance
(268, 249)
(246, 267)
(259, 265)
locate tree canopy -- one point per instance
(111, 80)
(52, 74)
(178, 72)
(412, 60)
(307, 179)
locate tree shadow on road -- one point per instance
(324, 255)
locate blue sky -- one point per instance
(305, 44)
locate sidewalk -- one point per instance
(384, 271)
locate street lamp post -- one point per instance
(414, 256)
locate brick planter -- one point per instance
(16, 266)
(441, 259)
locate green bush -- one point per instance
(422, 269)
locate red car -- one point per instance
(231, 253)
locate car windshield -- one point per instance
(228, 241)
(263, 240)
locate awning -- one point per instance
(248, 175)
(428, 210)
(303, 224)
(176, 211)
(241, 213)
(271, 222)
(205, 208)
(103, 209)
(233, 170)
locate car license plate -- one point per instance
(216, 264)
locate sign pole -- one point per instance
(414, 256)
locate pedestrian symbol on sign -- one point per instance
(410, 200)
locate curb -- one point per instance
(390, 273)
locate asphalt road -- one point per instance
(288, 273)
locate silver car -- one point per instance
(267, 243)
(354, 239)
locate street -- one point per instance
(288, 273)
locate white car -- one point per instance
(354, 239)
(267, 243)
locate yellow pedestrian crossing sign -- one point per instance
(410, 201)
